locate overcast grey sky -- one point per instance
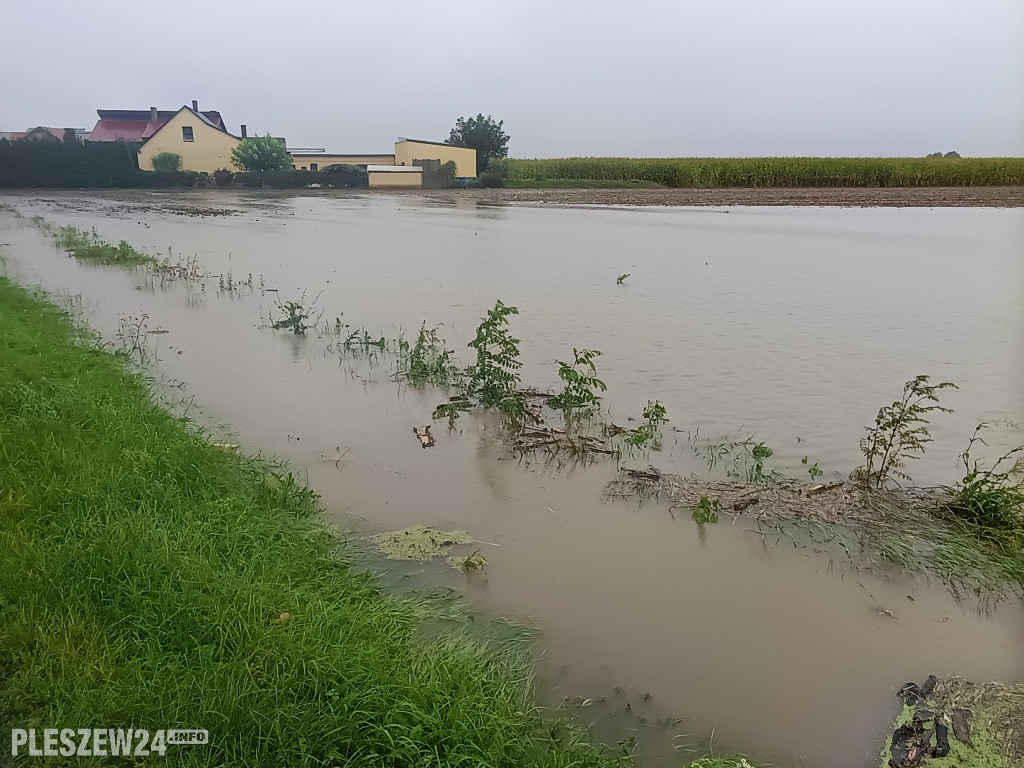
(640, 78)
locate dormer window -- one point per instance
(186, 133)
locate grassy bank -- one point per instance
(149, 579)
(769, 171)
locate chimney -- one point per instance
(195, 105)
(152, 115)
(243, 131)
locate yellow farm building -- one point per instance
(429, 154)
(405, 168)
(317, 161)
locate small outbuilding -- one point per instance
(395, 176)
(317, 160)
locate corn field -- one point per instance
(775, 171)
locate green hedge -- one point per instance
(105, 165)
(35, 164)
(115, 165)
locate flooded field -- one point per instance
(788, 326)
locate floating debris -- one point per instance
(426, 439)
(557, 440)
(473, 562)
(783, 500)
(986, 720)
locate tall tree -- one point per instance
(482, 134)
(261, 153)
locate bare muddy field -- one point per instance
(779, 327)
(859, 197)
(215, 202)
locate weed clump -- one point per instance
(295, 316)
(989, 502)
(899, 434)
(494, 378)
(705, 511)
(578, 401)
(428, 361)
(648, 434)
(88, 246)
(493, 381)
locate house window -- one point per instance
(314, 167)
(186, 133)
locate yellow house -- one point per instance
(430, 154)
(317, 161)
(202, 145)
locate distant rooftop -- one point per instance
(140, 124)
(402, 139)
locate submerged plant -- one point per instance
(989, 503)
(494, 378)
(578, 401)
(813, 470)
(469, 563)
(296, 316)
(899, 434)
(362, 340)
(755, 471)
(428, 361)
(706, 511)
(648, 434)
(132, 335)
(452, 410)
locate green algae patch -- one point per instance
(990, 716)
(420, 542)
(985, 722)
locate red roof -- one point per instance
(137, 124)
(129, 130)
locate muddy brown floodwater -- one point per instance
(792, 325)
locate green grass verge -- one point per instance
(149, 579)
(701, 172)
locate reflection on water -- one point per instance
(792, 325)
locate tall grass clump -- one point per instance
(150, 580)
(427, 361)
(771, 171)
(89, 247)
(989, 501)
